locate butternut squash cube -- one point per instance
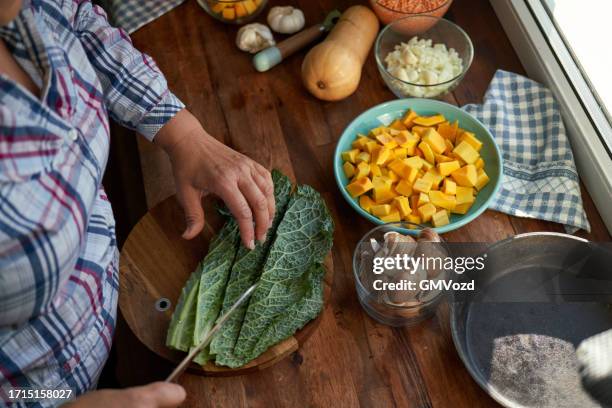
(399, 167)
(402, 205)
(427, 165)
(413, 218)
(381, 155)
(414, 162)
(414, 200)
(381, 209)
(441, 200)
(349, 170)
(400, 152)
(428, 153)
(350, 155)
(448, 131)
(218, 7)
(471, 139)
(446, 168)
(383, 192)
(434, 175)
(387, 140)
(375, 170)
(482, 180)
(409, 117)
(419, 130)
(467, 153)
(449, 146)
(440, 218)
(241, 11)
(423, 199)
(391, 175)
(464, 195)
(397, 125)
(412, 176)
(466, 176)
(479, 164)
(404, 188)
(363, 170)
(228, 13)
(250, 6)
(449, 187)
(393, 216)
(363, 157)
(422, 185)
(429, 120)
(371, 146)
(360, 142)
(359, 186)
(366, 203)
(434, 140)
(462, 208)
(377, 131)
(427, 211)
(440, 158)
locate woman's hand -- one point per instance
(154, 395)
(202, 165)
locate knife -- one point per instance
(208, 336)
(270, 57)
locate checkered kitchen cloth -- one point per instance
(540, 177)
(133, 14)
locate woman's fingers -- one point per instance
(191, 201)
(259, 206)
(240, 209)
(263, 178)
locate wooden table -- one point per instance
(350, 360)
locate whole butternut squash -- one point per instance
(331, 70)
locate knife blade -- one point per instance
(182, 366)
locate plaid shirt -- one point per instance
(58, 255)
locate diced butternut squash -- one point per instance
(428, 153)
(397, 125)
(391, 175)
(349, 169)
(250, 6)
(229, 13)
(360, 143)
(426, 211)
(363, 157)
(366, 203)
(440, 218)
(375, 170)
(408, 118)
(404, 188)
(400, 152)
(423, 199)
(462, 208)
(350, 155)
(449, 187)
(482, 180)
(434, 140)
(421, 185)
(381, 155)
(359, 186)
(402, 205)
(241, 11)
(449, 146)
(393, 216)
(446, 168)
(382, 190)
(479, 164)
(363, 170)
(400, 167)
(414, 162)
(371, 146)
(429, 120)
(387, 140)
(381, 209)
(440, 158)
(441, 200)
(435, 176)
(467, 153)
(471, 139)
(464, 195)
(413, 218)
(448, 131)
(419, 130)
(466, 176)
(218, 7)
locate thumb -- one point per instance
(163, 394)
(191, 201)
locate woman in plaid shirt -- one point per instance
(63, 70)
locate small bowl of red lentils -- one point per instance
(391, 10)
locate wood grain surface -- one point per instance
(155, 264)
(350, 360)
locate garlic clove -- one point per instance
(254, 37)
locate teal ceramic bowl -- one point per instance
(385, 113)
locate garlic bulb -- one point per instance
(286, 20)
(254, 37)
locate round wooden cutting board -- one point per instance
(155, 264)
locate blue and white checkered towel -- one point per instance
(540, 177)
(133, 14)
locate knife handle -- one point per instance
(272, 56)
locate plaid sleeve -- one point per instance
(136, 92)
